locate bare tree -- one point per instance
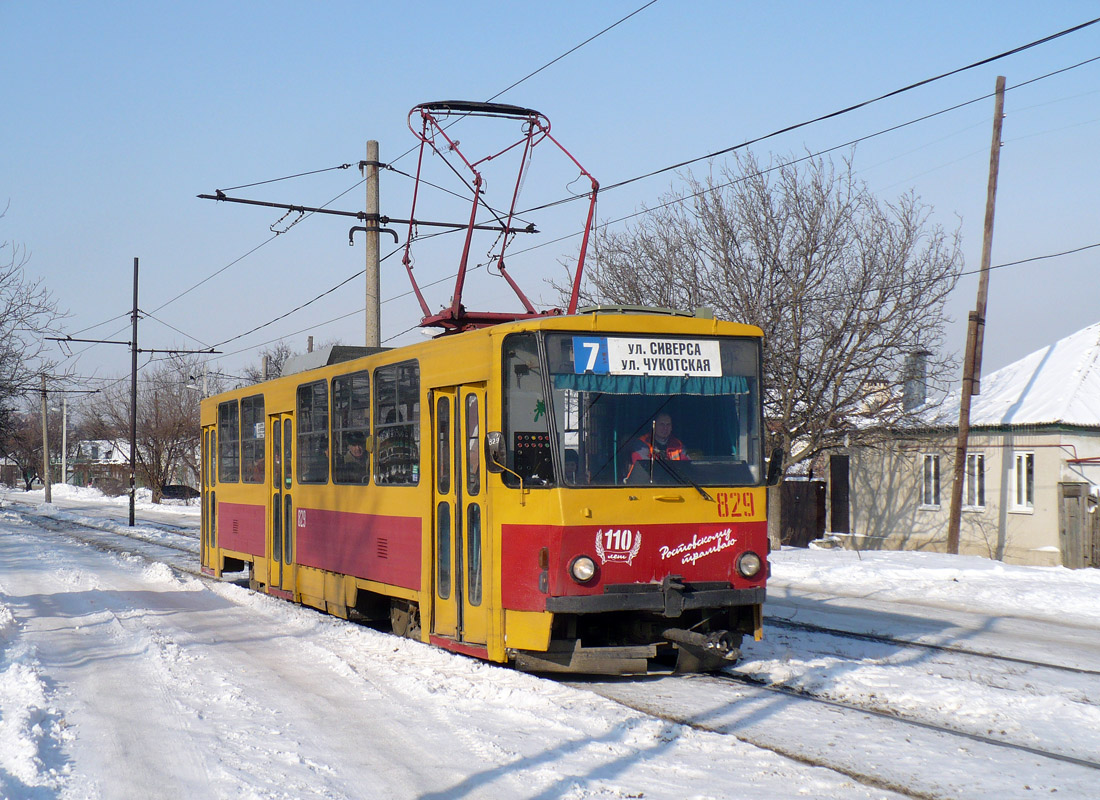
(276, 356)
(27, 312)
(844, 286)
(22, 445)
(168, 428)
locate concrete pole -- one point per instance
(64, 439)
(373, 243)
(45, 445)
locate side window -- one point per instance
(397, 424)
(212, 454)
(526, 426)
(473, 448)
(443, 444)
(313, 432)
(350, 428)
(252, 439)
(229, 443)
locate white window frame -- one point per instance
(974, 477)
(1023, 482)
(930, 481)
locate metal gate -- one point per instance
(802, 516)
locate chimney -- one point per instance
(916, 380)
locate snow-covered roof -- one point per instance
(1057, 384)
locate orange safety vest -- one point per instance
(673, 450)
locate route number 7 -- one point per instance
(593, 349)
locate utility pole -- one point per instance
(45, 445)
(133, 345)
(975, 331)
(133, 394)
(373, 234)
(64, 439)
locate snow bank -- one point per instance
(963, 582)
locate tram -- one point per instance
(564, 492)
(501, 508)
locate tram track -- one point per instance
(780, 622)
(102, 539)
(881, 714)
(727, 715)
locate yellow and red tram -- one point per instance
(496, 492)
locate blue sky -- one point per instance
(117, 114)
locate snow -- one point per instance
(1058, 384)
(120, 678)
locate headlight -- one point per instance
(749, 564)
(583, 569)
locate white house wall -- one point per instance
(886, 493)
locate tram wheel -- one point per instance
(405, 619)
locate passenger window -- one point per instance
(313, 432)
(229, 442)
(397, 424)
(252, 439)
(350, 428)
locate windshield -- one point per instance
(660, 410)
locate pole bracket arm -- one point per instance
(371, 229)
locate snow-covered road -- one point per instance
(123, 678)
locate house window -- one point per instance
(1023, 482)
(974, 481)
(930, 482)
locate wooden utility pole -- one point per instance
(373, 233)
(975, 329)
(45, 445)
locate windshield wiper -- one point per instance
(667, 464)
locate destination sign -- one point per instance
(604, 355)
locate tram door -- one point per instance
(280, 534)
(209, 504)
(458, 564)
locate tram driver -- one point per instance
(659, 443)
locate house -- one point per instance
(1032, 475)
(102, 464)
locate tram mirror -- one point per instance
(775, 466)
(494, 448)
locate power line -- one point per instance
(849, 143)
(682, 163)
(286, 178)
(840, 112)
(572, 50)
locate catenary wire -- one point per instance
(743, 144)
